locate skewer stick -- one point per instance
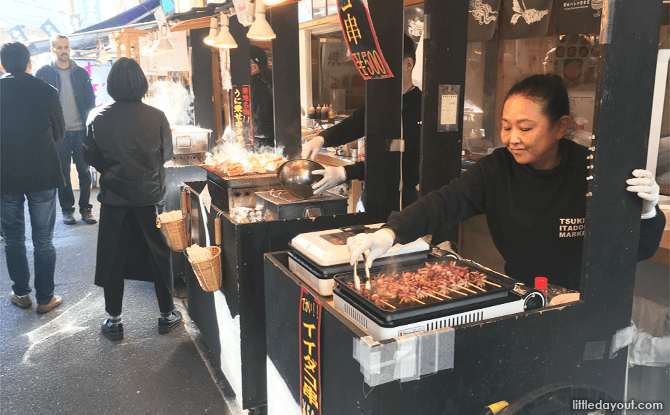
(420, 302)
(477, 286)
(431, 295)
(387, 304)
(357, 281)
(367, 273)
(492, 283)
(467, 289)
(443, 295)
(456, 291)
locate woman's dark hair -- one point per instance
(126, 81)
(548, 91)
(14, 57)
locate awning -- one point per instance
(138, 14)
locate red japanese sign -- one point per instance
(361, 39)
(310, 354)
(240, 108)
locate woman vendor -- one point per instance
(533, 193)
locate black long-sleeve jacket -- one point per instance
(353, 128)
(128, 143)
(31, 123)
(536, 218)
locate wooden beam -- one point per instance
(216, 96)
(320, 22)
(285, 79)
(198, 23)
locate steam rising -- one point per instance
(174, 100)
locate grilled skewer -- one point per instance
(357, 281)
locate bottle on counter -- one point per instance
(324, 112)
(310, 113)
(541, 285)
(331, 114)
(317, 112)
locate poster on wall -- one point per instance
(526, 18)
(483, 19)
(447, 107)
(98, 75)
(578, 16)
(361, 39)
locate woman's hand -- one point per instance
(645, 186)
(378, 243)
(332, 176)
(311, 148)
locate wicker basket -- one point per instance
(175, 233)
(208, 271)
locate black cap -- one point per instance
(258, 55)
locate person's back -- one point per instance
(28, 135)
(131, 136)
(31, 122)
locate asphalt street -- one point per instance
(60, 363)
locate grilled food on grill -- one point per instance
(435, 281)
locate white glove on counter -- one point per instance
(332, 176)
(311, 148)
(646, 187)
(378, 243)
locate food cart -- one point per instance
(501, 358)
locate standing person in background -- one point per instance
(128, 142)
(262, 107)
(32, 122)
(532, 191)
(353, 128)
(77, 99)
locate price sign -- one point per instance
(240, 100)
(361, 39)
(310, 354)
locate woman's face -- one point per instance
(528, 134)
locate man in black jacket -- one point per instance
(353, 128)
(32, 122)
(77, 100)
(262, 109)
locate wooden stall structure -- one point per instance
(582, 343)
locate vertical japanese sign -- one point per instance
(240, 108)
(361, 39)
(310, 354)
(91, 12)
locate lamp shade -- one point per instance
(213, 29)
(260, 29)
(225, 40)
(164, 45)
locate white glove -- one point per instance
(646, 187)
(332, 176)
(378, 243)
(311, 148)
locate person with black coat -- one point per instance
(353, 127)
(31, 123)
(128, 142)
(533, 192)
(262, 103)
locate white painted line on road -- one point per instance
(70, 321)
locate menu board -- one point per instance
(361, 39)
